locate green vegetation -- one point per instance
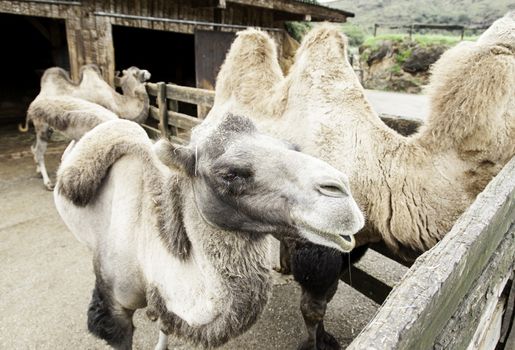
(422, 40)
(355, 34)
(396, 69)
(403, 55)
(298, 29)
(404, 12)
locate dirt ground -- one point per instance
(46, 276)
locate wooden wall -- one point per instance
(89, 23)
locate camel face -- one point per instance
(141, 75)
(246, 181)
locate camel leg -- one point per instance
(162, 344)
(317, 269)
(38, 149)
(108, 320)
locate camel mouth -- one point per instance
(347, 238)
(343, 242)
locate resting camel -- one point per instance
(412, 189)
(183, 230)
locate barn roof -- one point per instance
(297, 9)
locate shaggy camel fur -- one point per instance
(132, 105)
(412, 189)
(71, 116)
(57, 87)
(183, 230)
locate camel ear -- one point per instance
(124, 72)
(179, 157)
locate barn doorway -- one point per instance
(30, 45)
(168, 56)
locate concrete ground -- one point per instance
(46, 276)
(399, 104)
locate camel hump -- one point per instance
(86, 165)
(324, 37)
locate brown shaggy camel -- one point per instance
(412, 189)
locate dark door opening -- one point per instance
(30, 45)
(168, 56)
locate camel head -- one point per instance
(140, 75)
(245, 181)
(132, 81)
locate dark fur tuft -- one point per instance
(316, 267)
(101, 320)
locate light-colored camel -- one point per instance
(184, 230)
(412, 189)
(92, 99)
(133, 104)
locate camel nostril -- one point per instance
(332, 189)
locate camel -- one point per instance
(183, 230)
(133, 104)
(91, 99)
(411, 189)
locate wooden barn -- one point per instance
(178, 41)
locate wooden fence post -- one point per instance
(173, 106)
(163, 109)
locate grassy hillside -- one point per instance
(464, 12)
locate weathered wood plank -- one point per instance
(185, 94)
(509, 314)
(420, 306)
(163, 110)
(153, 133)
(190, 95)
(183, 121)
(179, 120)
(459, 330)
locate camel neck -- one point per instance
(219, 289)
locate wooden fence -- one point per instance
(455, 296)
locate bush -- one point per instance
(355, 34)
(298, 29)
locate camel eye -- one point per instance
(229, 177)
(234, 174)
